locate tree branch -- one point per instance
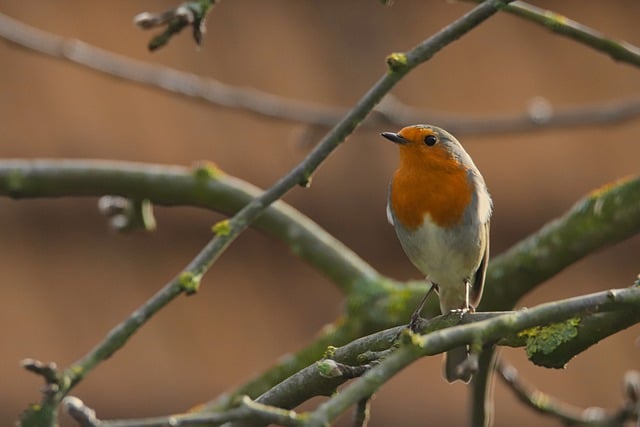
(245, 410)
(603, 217)
(204, 185)
(484, 332)
(567, 414)
(164, 78)
(374, 349)
(389, 113)
(539, 116)
(616, 49)
(188, 280)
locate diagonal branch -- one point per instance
(617, 49)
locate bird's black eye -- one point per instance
(430, 139)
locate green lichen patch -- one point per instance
(546, 339)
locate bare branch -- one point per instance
(538, 117)
(389, 112)
(48, 371)
(616, 49)
(364, 354)
(189, 279)
(165, 78)
(603, 217)
(246, 409)
(568, 414)
(203, 185)
(80, 412)
(361, 414)
(486, 332)
(210, 188)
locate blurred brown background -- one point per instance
(67, 279)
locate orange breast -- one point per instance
(429, 182)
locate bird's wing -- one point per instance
(478, 280)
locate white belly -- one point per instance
(448, 258)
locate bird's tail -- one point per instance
(454, 365)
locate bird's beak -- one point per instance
(394, 137)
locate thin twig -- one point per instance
(481, 409)
(389, 112)
(165, 78)
(362, 413)
(568, 414)
(539, 116)
(246, 410)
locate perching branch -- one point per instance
(366, 354)
(390, 112)
(207, 187)
(604, 217)
(479, 333)
(375, 348)
(617, 205)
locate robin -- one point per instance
(440, 208)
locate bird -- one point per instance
(440, 207)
